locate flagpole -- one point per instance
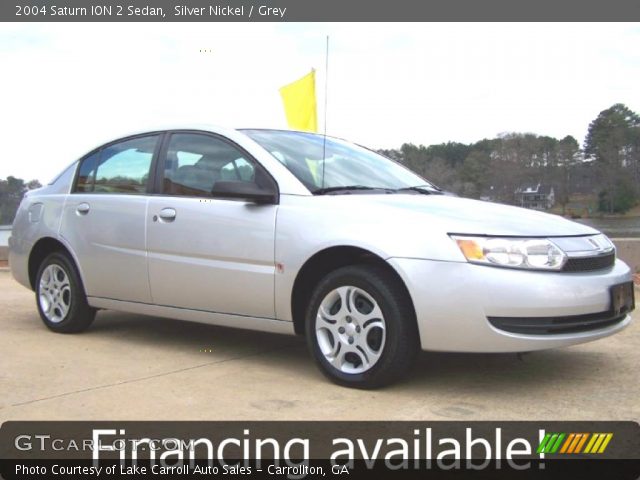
(326, 89)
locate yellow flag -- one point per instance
(299, 100)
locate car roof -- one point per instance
(207, 127)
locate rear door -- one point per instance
(208, 253)
(104, 219)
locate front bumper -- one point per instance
(454, 300)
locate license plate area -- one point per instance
(622, 299)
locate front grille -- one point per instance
(589, 264)
(556, 325)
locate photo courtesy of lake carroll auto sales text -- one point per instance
(299, 240)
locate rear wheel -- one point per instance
(361, 328)
(60, 296)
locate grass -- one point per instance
(586, 206)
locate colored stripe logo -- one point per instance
(563, 443)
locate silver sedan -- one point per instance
(296, 233)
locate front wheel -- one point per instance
(60, 297)
(361, 328)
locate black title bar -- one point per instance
(316, 10)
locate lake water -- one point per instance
(615, 227)
(5, 233)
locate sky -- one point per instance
(68, 87)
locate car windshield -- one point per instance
(337, 166)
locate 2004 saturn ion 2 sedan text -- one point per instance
(293, 232)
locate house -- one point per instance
(537, 197)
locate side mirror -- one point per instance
(244, 191)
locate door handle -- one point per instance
(168, 214)
(83, 208)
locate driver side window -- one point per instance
(195, 162)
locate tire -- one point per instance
(374, 340)
(60, 296)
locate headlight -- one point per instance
(530, 253)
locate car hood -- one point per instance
(466, 216)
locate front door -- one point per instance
(207, 253)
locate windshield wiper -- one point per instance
(423, 189)
(347, 188)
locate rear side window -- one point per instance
(121, 167)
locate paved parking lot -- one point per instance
(133, 367)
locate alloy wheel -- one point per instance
(350, 329)
(54, 293)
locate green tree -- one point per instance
(567, 156)
(11, 192)
(612, 141)
(476, 174)
(453, 153)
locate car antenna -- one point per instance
(326, 83)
